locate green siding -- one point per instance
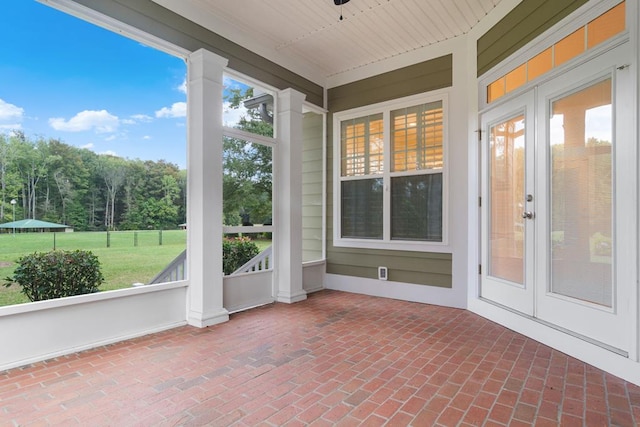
(422, 268)
(160, 22)
(524, 23)
(312, 187)
(418, 78)
(410, 267)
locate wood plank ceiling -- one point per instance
(310, 32)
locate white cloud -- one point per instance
(88, 146)
(178, 109)
(10, 112)
(146, 137)
(11, 126)
(183, 87)
(110, 138)
(231, 116)
(142, 118)
(137, 118)
(100, 121)
(109, 153)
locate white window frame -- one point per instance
(386, 108)
(254, 138)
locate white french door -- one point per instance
(507, 199)
(558, 228)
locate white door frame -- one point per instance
(516, 296)
(611, 326)
(613, 329)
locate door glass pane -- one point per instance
(506, 228)
(581, 194)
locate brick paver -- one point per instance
(334, 359)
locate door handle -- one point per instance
(527, 215)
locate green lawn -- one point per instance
(132, 256)
(123, 263)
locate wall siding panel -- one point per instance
(423, 77)
(160, 22)
(422, 268)
(312, 187)
(524, 23)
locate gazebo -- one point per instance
(34, 225)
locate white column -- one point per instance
(287, 198)
(204, 190)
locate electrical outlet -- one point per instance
(382, 273)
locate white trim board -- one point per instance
(448, 297)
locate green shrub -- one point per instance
(57, 274)
(236, 252)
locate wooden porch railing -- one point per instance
(177, 269)
(260, 262)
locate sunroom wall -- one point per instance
(497, 46)
(312, 188)
(436, 276)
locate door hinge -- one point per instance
(479, 131)
(479, 202)
(479, 268)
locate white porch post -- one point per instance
(204, 190)
(288, 198)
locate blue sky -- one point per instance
(63, 78)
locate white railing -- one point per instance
(261, 262)
(176, 270)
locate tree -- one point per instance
(247, 166)
(57, 182)
(31, 161)
(113, 172)
(6, 154)
(70, 174)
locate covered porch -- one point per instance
(440, 349)
(334, 359)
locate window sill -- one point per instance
(393, 245)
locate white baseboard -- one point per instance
(447, 297)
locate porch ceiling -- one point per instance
(308, 37)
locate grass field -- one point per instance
(123, 263)
(132, 256)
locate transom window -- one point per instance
(391, 179)
(604, 27)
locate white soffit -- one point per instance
(308, 37)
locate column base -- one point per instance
(202, 320)
(293, 297)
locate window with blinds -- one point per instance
(402, 201)
(362, 146)
(417, 137)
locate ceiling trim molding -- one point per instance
(197, 13)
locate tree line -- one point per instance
(56, 182)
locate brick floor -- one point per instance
(335, 359)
